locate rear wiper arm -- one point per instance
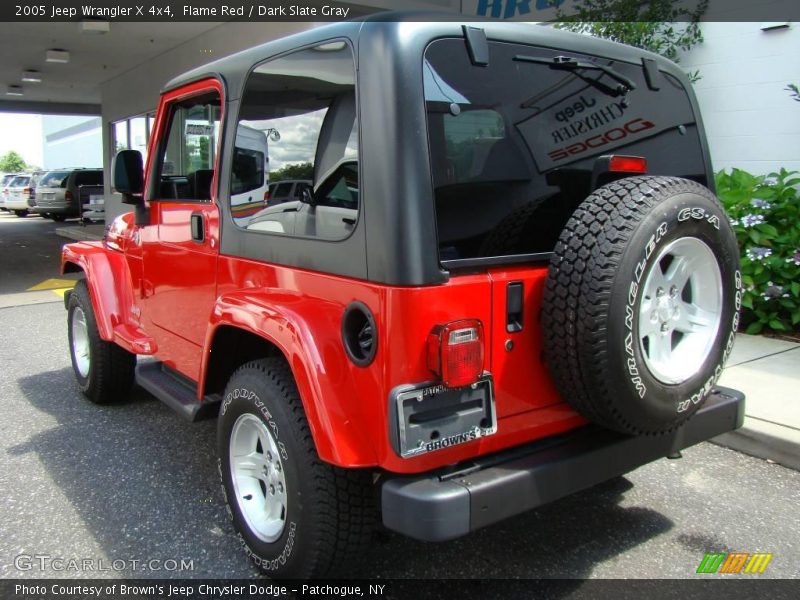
(567, 63)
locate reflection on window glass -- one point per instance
(303, 106)
(138, 139)
(121, 136)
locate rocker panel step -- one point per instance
(171, 388)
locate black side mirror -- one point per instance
(127, 176)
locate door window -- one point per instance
(187, 159)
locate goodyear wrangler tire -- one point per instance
(641, 303)
(296, 516)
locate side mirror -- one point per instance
(307, 196)
(127, 176)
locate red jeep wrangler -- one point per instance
(508, 280)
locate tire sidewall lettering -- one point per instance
(684, 218)
(241, 399)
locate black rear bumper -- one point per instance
(448, 504)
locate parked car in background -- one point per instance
(18, 195)
(4, 188)
(58, 193)
(287, 190)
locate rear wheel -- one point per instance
(641, 303)
(296, 516)
(104, 371)
(21, 213)
(57, 218)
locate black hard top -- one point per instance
(419, 25)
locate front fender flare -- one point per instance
(108, 279)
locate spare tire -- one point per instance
(641, 303)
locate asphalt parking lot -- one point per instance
(134, 481)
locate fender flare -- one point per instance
(339, 437)
(107, 277)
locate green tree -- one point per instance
(660, 26)
(11, 162)
(299, 171)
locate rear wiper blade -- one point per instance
(567, 63)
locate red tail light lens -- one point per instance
(627, 164)
(266, 198)
(68, 196)
(455, 352)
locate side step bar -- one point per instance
(176, 392)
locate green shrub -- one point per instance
(765, 214)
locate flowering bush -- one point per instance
(765, 214)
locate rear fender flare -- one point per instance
(339, 438)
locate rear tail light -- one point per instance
(455, 352)
(68, 196)
(266, 198)
(627, 164)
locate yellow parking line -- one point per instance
(61, 291)
(53, 284)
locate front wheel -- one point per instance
(104, 371)
(296, 516)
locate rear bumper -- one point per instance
(68, 210)
(448, 504)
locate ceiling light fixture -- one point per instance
(14, 90)
(95, 26)
(32, 76)
(57, 55)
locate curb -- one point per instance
(765, 440)
(79, 233)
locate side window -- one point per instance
(303, 105)
(187, 155)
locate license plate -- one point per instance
(433, 417)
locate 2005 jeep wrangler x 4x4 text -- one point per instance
(508, 281)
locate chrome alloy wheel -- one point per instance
(680, 310)
(259, 481)
(80, 342)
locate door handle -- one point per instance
(198, 227)
(348, 221)
(514, 307)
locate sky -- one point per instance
(23, 133)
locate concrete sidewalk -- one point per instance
(768, 372)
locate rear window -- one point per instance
(514, 144)
(20, 182)
(88, 178)
(54, 179)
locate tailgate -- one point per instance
(516, 361)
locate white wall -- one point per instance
(751, 121)
(71, 142)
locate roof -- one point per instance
(387, 26)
